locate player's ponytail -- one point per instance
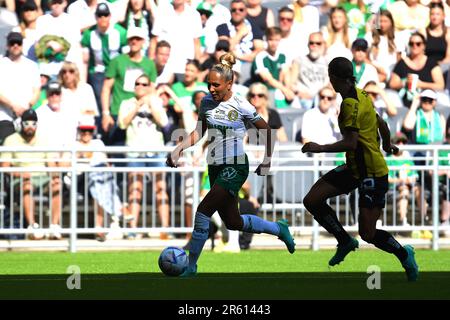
(225, 67)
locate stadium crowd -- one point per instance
(131, 71)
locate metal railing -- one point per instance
(280, 194)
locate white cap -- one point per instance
(428, 93)
(86, 122)
(136, 32)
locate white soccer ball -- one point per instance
(173, 261)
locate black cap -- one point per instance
(29, 5)
(360, 44)
(14, 37)
(53, 86)
(223, 45)
(29, 115)
(341, 67)
(102, 10)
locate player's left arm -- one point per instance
(386, 136)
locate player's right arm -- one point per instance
(191, 140)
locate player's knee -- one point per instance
(310, 204)
(367, 235)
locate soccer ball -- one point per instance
(173, 261)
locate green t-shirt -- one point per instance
(125, 72)
(404, 172)
(185, 95)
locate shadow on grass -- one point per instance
(225, 286)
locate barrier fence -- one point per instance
(85, 197)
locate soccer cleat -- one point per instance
(342, 251)
(189, 272)
(410, 265)
(285, 235)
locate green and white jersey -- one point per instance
(226, 122)
(266, 62)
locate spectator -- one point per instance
(181, 26)
(364, 71)
(101, 43)
(27, 26)
(438, 36)
(101, 185)
(138, 16)
(31, 181)
(409, 15)
(290, 33)
(306, 19)
(77, 96)
(245, 41)
(120, 77)
(381, 101)
(163, 70)
(258, 96)
(385, 47)
(84, 12)
(205, 10)
(270, 68)
(404, 179)
(427, 73)
(259, 16)
(309, 73)
(18, 7)
(175, 119)
(222, 47)
(337, 35)
(19, 84)
(220, 14)
(320, 124)
(358, 15)
(143, 118)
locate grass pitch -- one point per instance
(254, 274)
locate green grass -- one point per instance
(254, 274)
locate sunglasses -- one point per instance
(426, 100)
(68, 71)
(54, 93)
(237, 9)
(29, 124)
(286, 19)
(315, 43)
(14, 42)
(328, 98)
(259, 95)
(102, 15)
(142, 84)
(86, 130)
(415, 44)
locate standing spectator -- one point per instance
(120, 77)
(143, 118)
(320, 125)
(163, 70)
(427, 72)
(27, 26)
(364, 71)
(337, 35)
(101, 43)
(180, 25)
(306, 19)
(138, 16)
(259, 16)
(309, 73)
(270, 68)
(290, 33)
(31, 181)
(245, 41)
(385, 47)
(19, 84)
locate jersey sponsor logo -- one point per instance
(228, 173)
(233, 115)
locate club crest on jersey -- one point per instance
(232, 115)
(228, 173)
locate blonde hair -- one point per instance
(260, 87)
(225, 67)
(67, 65)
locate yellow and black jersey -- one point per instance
(360, 115)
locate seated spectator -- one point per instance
(259, 16)
(438, 36)
(222, 47)
(143, 118)
(381, 101)
(404, 179)
(364, 71)
(101, 185)
(309, 73)
(34, 182)
(290, 33)
(320, 124)
(270, 68)
(258, 96)
(416, 71)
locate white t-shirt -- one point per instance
(18, 80)
(226, 123)
(80, 102)
(318, 127)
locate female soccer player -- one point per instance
(365, 169)
(225, 115)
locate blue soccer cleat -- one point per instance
(410, 265)
(189, 272)
(285, 235)
(342, 251)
